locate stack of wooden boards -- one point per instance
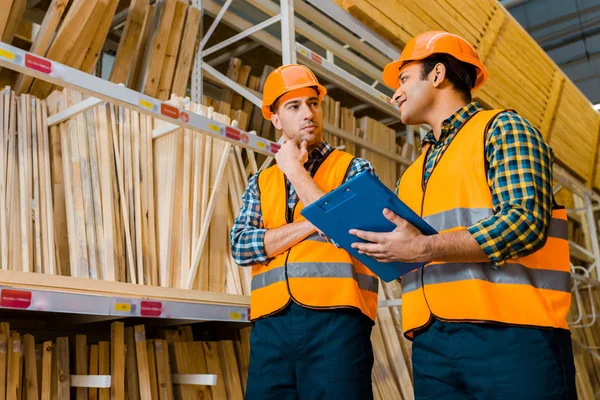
(140, 368)
(521, 75)
(157, 47)
(155, 52)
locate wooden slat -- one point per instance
(186, 54)
(93, 52)
(63, 377)
(550, 112)
(117, 360)
(132, 384)
(31, 376)
(81, 363)
(142, 362)
(46, 385)
(168, 67)
(230, 370)
(152, 369)
(491, 34)
(42, 39)
(213, 363)
(4, 16)
(129, 48)
(68, 34)
(93, 369)
(16, 13)
(104, 366)
(163, 370)
(157, 51)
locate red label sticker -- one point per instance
(15, 298)
(151, 309)
(185, 117)
(316, 58)
(275, 148)
(39, 64)
(169, 111)
(232, 133)
(245, 138)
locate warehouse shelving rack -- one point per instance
(345, 38)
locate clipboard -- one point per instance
(358, 204)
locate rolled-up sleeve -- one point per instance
(247, 237)
(520, 180)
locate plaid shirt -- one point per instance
(520, 179)
(248, 232)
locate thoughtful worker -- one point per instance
(312, 304)
(488, 315)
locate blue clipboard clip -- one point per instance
(359, 204)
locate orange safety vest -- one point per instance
(313, 273)
(533, 290)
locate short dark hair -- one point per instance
(460, 74)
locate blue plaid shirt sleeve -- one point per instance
(247, 236)
(520, 180)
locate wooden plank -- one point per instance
(3, 360)
(152, 369)
(42, 39)
(148, 204)
(213, 364)
(23, 182)
(159, 41)
(186, 54)
(86, 190)
(168, 68)
(31, 376)
(68, 34)
(242, 79)
(63, 377)
(129, 46)
(189, 359)
(78, 52)
(4, 17)
(142, 362)
(550, 112)
(46, 385)
(137, 67)
(35, 194)
(45, 205)
(104, 366)
(3, 182)
(491, 34)
(81, 363)
(15, 16)
(230, 370)
(93, 369)
(95, 49)
(132, 384)
(184, 204)
(124, 213)
(117, 360)
(163, 370)
(136, 197)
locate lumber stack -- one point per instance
(140, 367)
(157, 47)
(521, 75)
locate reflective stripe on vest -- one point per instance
(515, 274)
(315, 270)
(530, 290)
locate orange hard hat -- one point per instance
(435, 42)
(285, 79)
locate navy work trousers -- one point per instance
(307, 354)
(457, 361)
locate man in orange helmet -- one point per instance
(312, 304)
(487, 315)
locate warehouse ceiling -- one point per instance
(569, 31)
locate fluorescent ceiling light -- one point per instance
(596, 107)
